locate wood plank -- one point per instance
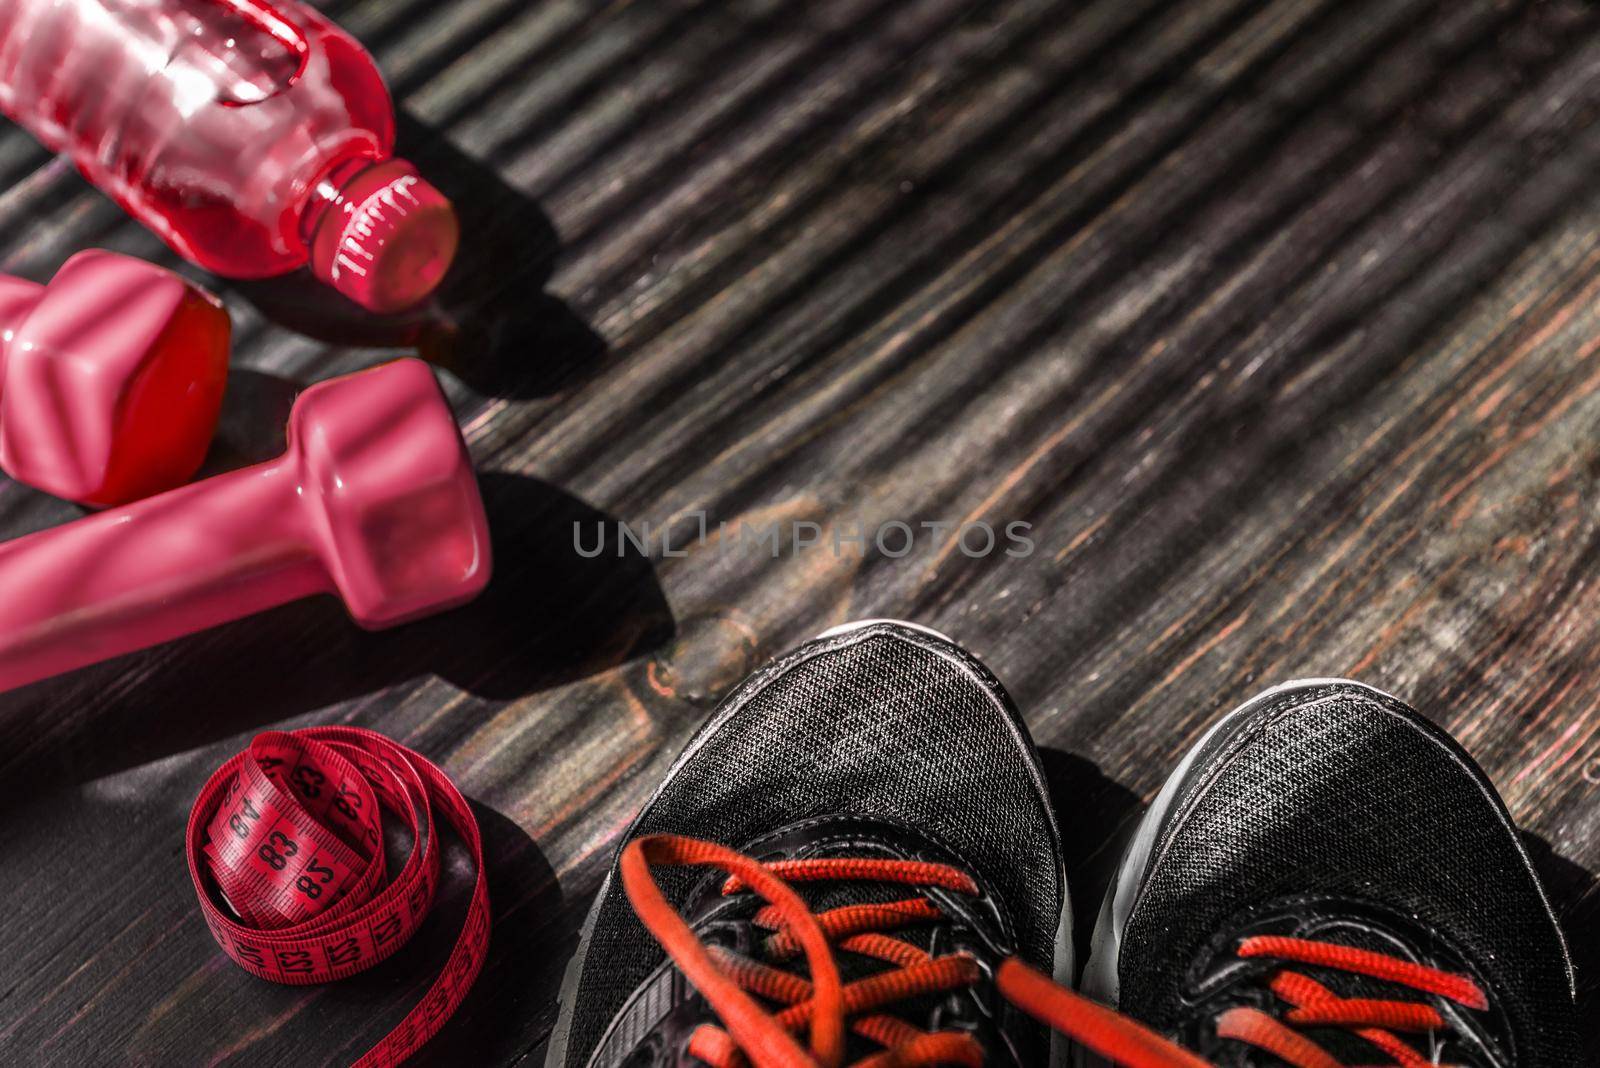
(1274, 318)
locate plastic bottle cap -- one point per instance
(388, 240)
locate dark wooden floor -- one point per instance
(1277, 320)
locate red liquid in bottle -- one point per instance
(253, 137)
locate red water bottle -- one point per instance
(254, 137)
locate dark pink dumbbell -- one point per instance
(111, 378)
(374, 500)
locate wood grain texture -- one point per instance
(1277, 319)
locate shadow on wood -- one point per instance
(1096, 816)
(355, 1013)
(1575, 896)
(490, 323)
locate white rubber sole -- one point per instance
(863, 624)
(1100, 975)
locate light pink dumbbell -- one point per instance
(111, 378)
(374, 500)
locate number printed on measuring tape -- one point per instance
(287, 836)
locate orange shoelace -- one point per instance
(823, 1007)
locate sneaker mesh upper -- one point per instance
(1345, 793)
(878, 724)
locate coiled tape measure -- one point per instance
(288, 835)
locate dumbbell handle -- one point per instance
(157, 569)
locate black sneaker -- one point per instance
(1328, 879)
(903, 848)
